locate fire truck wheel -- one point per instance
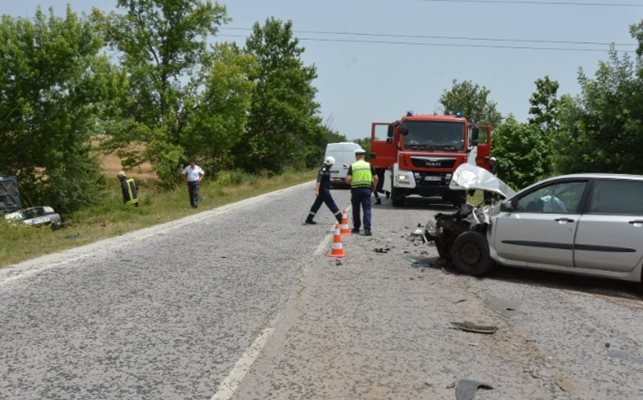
(470, 254)
(397, 197)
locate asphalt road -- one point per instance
(243, 302)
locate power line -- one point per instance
(406, 43)
(488, 39)
(540, 3)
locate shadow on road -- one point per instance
(555, 280)
(602, 286)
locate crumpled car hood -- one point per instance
(468, 176)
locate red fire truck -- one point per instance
(418, 154)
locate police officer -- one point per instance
(363, 180)
(322, 191)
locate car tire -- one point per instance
(470, 254)
(397, 197)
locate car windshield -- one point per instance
(440, 135)
(32, 213)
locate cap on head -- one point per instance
(121, 174)
(360, 151)
(329, 160)
(492, 159)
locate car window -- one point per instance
(559, 198)
(616, 197)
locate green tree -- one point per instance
(163, 44)
(472, 101)
(544, 115)
(283, 119)
(219, 116)
(316, 150)
(544, 105)
(521, 151)
(53, 84)
(601, 130)
(636, 30)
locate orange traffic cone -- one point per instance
(345, 230)
(337, 250)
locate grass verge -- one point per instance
(112, 218)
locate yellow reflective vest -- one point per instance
(362, 175)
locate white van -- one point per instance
(344, 154)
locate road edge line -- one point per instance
(231, 383)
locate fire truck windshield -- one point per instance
(434, 135)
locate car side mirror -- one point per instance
(506, 206)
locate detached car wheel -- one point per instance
(470, 254)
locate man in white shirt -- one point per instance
(193, 174)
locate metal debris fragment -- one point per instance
(475, 328)
(466, 389)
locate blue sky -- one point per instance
(362, 79)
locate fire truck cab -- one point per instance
(419, 153)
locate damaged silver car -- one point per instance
(584, 224)
(36, 216)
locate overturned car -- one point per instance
(585, 224)
(36, 216)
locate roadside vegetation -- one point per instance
(154, 84)
(110, 217)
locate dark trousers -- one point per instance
(361, 198)
(193, 191)
(325, 197)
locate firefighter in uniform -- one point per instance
(322, 193)
(363, 180)
(128, 188)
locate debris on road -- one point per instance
(475, 328)
(382, 250)
(418, 232)
(419, 263)
(466, 389)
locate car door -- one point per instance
(540, 228)
(610, 233)
(484, 147)
(382, 146)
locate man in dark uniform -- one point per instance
(322, 191)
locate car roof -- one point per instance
(588, 175)
(596, 175)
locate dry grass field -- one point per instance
(111, 165)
